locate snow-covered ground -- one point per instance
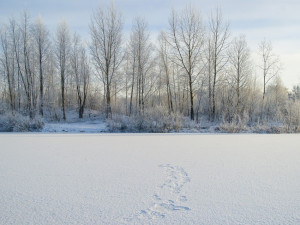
(89, 126)
(93, 122)
(149, 179)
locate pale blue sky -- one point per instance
(277, 20)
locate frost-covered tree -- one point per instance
(218, 44)
(42, 44)
(24, 52)
(239, 71)
(164, 56)
(81, 72)
(7, 65)
(62, 53)
(140, 48)
(105, 47)
(186, 37)
(269, 63)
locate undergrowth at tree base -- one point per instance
(19, 123)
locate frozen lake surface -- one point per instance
(149, 179)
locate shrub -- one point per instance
(236, 125)
(19, 123)
(268, 128)
(155, 120)
(292, 117)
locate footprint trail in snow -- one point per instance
(169, 196)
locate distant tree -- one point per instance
(218, 34)
(15, 37)
(7, 63)
(105, 47)
(81, 71)
(275, 100)
(296, 92)
(240, 70)
(186, 36)
(42, 43)
(24, 50)
(62, 52)
(140, 48)
(164, 55)
(269, 65)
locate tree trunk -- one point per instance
(108, 106)
(191, 97)
(63, 95)
(41, 85)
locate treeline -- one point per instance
(193, 69)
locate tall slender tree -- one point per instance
(81, 71)
(7, 61)
(42, 42)
(164, 54)
(219, 34)
(240, 70)
(62, 52)
(186, 36)
(141, 49)
(105, 47)
(269, 65)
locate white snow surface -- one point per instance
(89, 126)
(149, 179)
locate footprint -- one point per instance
(182, 198)
(167, 198)
(172, 207)
(156, 197)
(177, 178)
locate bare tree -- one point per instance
(81, 71)
(208, 73)
(164, 54)
(25, 62)
(270, 63)
(186, 36)
(7, 62)
(132, 58)
(219, 33)
(240, 70)
(140, 48)
(15, 37)
(128, 75)
(105, 47)
(41, 37)
(51, 84)
(62, 51)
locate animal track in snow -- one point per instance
(176, 178)
(168, 197)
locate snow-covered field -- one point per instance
(149, 179)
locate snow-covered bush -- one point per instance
(268, 128)
(19, 123)
(292, 117)
(53, 114)
(156, 120)
(236, 125)
(3, 108)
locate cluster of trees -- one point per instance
(193, 69)
(37, 70)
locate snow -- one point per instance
(91, 126)
(93, 122)
(149, 179)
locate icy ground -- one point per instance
(149, 179)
